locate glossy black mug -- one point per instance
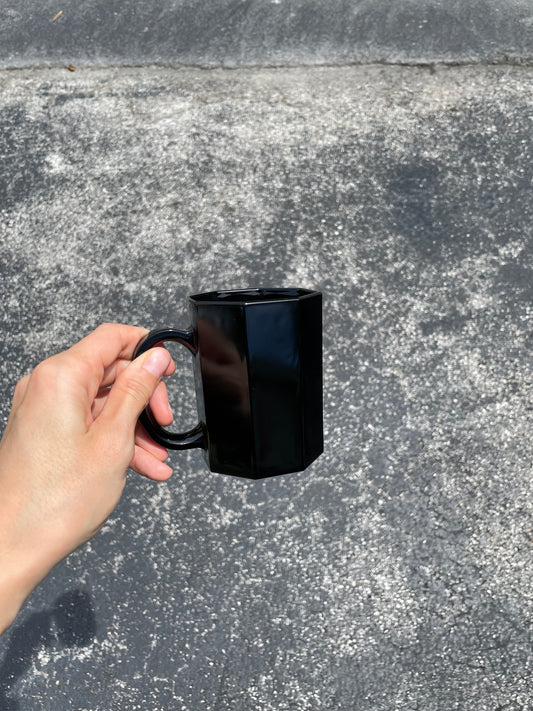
(258, 377)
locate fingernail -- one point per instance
(157, 362)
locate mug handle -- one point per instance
(172, 440)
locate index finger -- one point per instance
(106, 344)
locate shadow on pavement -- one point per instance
(70, 623)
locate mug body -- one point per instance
(258, 374)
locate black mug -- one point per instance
(258, 378)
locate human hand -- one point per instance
(70, 437)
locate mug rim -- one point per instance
(259, 295)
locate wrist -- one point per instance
(23, 562)
(15, 587)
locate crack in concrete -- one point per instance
(433, 65)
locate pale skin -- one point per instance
(70, 438)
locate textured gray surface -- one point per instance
(396, 572)
(236, 32)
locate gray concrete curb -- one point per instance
(260, 32)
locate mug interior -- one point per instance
(246, 296)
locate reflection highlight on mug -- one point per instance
(224, 373)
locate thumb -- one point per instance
(133, 389)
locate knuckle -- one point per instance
(21, 386)
(105, 327)
(134, 387)
(20, 390)
(50, 373)
(45, 372)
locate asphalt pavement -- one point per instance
(395, 572)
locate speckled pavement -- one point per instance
(395, 573)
